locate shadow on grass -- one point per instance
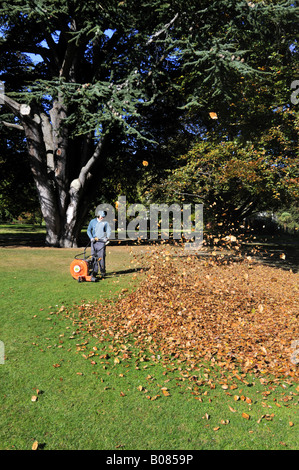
(22, 239)
(280, 252)
(125, 271)
(274, 251)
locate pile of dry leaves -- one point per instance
(241, 316)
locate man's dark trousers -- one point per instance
(98, 250)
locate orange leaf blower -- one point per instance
(81, 267)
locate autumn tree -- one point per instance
(234, 181)
(103, 65)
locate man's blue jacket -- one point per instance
(98, 229)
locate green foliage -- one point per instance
(288, 218)
(101, 76)
(227, 44)
(233, 181)
(203, 49)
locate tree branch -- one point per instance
(68, 60)
(52, 47)
(165, 27)
(10, 103)
(86, 169)
(14, 126)
(46, 128)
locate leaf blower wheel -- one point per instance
(79, 269)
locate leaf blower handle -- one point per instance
(104, 240)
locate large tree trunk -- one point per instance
(63, 202)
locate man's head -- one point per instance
(101, 214)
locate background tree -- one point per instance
(233, 181)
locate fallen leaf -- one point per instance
(154, 397)
(260, 419)
(35, 445)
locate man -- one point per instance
(99, 232)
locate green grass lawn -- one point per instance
(93, 402)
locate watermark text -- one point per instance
(2, 91)
(158, 221)
(1, 352)
(295, 93)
